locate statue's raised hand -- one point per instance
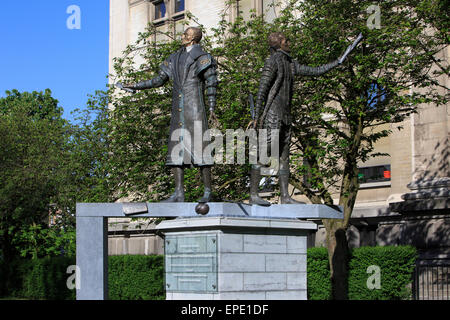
(127, 88)
(350, 48)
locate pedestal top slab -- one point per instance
(235, 222)
(217, 209)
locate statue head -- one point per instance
(191, 35)
(278, 40)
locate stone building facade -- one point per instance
(404, 199)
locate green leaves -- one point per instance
(47, 165)
(396, 265)
(136, 277)
(37, 241)
(32, 148)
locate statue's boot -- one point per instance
(178, 195)
(255, 179)
(206, 177)
(284, 192)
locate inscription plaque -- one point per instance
(191, 263)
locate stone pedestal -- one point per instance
(237, 251)
(229, 258)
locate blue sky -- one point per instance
(38, 51)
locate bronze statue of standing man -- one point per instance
(274, 98)
(193, 71)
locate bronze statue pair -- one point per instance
(194, 73)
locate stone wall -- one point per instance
(135, 245)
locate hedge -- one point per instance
(130, 278)
(142, 277)
(40, 279)
(136, 277)
(318, 274)
(396, 266)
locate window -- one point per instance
(160, 10)
(179, 5)
(375, 95)
(161, 36)
(270, 10)
(168, 17)
(244, 7)
(375, 174)
(179, 28)
(368, 236)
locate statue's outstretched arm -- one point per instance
(317, 71)
(156, 82)
(302, 70)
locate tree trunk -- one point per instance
(338, 256)
(6, 251)
(337, 244)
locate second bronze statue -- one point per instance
(274, 100)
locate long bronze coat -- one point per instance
(275, 88)
(273, 102)
(191, 75)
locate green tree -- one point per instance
(33, 137)
(47, 165)
(85, 165)
(383, 81)
(37, 240)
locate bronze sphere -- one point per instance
(202, 208)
